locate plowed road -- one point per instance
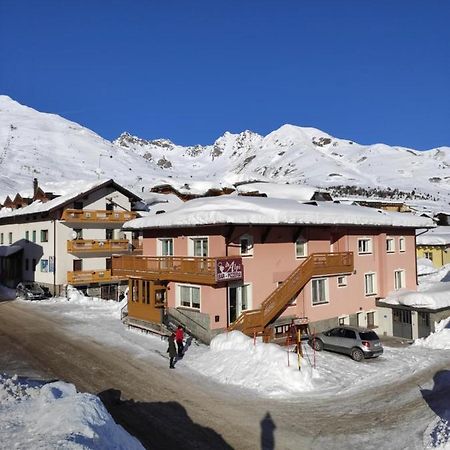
(170, 410)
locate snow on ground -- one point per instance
(54, 415)
(232, 359)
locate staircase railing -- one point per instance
(256, 320)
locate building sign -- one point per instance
(51, 263)
(229, 269)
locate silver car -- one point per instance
(357, 342)
(29, 290)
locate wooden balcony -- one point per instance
(83, 277)
(318, 264)
(82, 218)
(98, 248)
(183, 269)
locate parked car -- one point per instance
(357, 342)
(29, 290)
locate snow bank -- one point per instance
(90, 304)
(55, 415)
(232, 358)
(433, 291)
(440, 339)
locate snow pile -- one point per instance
(425, 266)
(54, 415)
(437, 434)
(433, 291)
(234, 358)
(440, 339)
(90, 304)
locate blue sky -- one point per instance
(366, 70)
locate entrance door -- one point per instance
(423, 324)
(402, 323)
(239, 296)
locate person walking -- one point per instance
(179, 336)
(172, 351)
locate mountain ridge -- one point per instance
(51, 148)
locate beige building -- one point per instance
(67, 239)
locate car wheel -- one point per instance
(357, 354)
(317, 345)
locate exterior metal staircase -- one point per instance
(257, 320)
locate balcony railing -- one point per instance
(99, 246)
(81, 216)
(92, 276)
(171, 268)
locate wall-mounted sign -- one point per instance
(229, 269)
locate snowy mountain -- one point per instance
(51, 148)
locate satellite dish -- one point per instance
(74, 235)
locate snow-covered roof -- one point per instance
(81, 189)
(232, 209)
(436, 236)
(433, 292)
(300, 192)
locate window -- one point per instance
(44, 265)
(390, 245)
(370, 320)
(399, 279)
(428, 255)
(402, 244)
(34, 236)
(342, 281)
(44, 235)
(301, 247)
(10, 238)
(364, 246)
(198, 247)
(166, 247)
(246, 245)
(78, 233)
(370, 283)
(27, 235)
(1, 238)
(189, 296)
(349, 334)
(319, 288)
(343, 320)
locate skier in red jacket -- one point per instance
(179, 336)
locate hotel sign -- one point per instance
(229, 269)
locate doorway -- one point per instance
(402, 324)
(239, 296)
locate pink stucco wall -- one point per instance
(274, 259)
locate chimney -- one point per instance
(35, 186)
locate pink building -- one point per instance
(323, 261)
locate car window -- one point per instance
(350, 334)
(334, 332)
(369, 336)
